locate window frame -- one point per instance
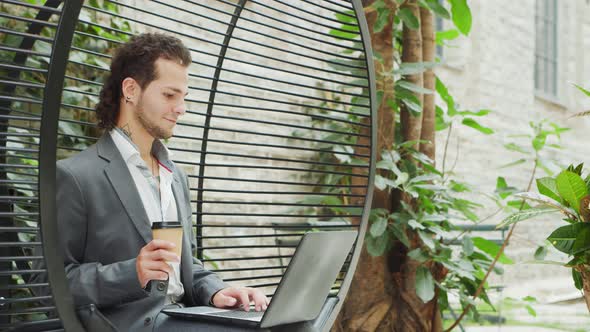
(546, 65)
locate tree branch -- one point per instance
(500, 252)
(444, 159)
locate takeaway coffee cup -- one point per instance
(170, 231)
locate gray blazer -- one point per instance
(103, 226)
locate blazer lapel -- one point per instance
(186, 261)
(179, 197)
(122, 182)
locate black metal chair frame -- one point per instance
(51, 103)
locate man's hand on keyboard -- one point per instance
(233, 297)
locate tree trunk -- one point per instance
(428, 114)
(409, 306)
(369, 299)
(412, 52)
(585, 271)
(382, 296)
(415, 315)
(428, 131)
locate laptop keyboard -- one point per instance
(238, 314)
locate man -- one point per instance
(109, 195)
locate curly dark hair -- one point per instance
(136, 59)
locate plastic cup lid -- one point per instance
(166, 224)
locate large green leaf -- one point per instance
(412, 68)
(539, 141)
(564, 237)
(582, 242)
(514, 163)
(530, 310)
(418, 255)
(440, 121)
(577, 276)
(427, 239)
(380, 182)
(441, 36)
(378, 226)
(400, 233)
(438, 8)
(462, 268)
(502, 188)
(467, 246)
(345, 17)
(424, 284)
(376, 246)
(413, 87)
(409, 19)
(572, 188)
(545, 262)
(586, 92)
(491, 249)
(548, 186)
(382, 19)
(526, 214)
(541, 253)
(414, 106)
(478, 113)
(545, 202)
(469, 122)
(443, 92)
(516, 147)
(461, 15)
(342, 34)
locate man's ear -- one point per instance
(130, 89)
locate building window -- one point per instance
(439, 27)
(546, 47)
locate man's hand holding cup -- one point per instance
(154, 258)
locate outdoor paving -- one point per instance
(569, 316)
(510, 329)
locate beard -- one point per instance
(151, 126)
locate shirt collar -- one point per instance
(130, 150)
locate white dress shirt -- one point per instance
(159, 205)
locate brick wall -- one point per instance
(493, 68)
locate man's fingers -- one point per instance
(260, 300)
(160, 266)
(156, 244)
(222, 300)
(156, 275)
(151, 261)
(152, 275)
(240, 294)
(244, 299)
(243, 296)
(229, 301)
(163, 255)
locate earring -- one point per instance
(127, 100)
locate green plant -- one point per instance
(568, 194)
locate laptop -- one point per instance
(302, 291)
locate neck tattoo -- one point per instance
(155, 168)
(126, 130)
